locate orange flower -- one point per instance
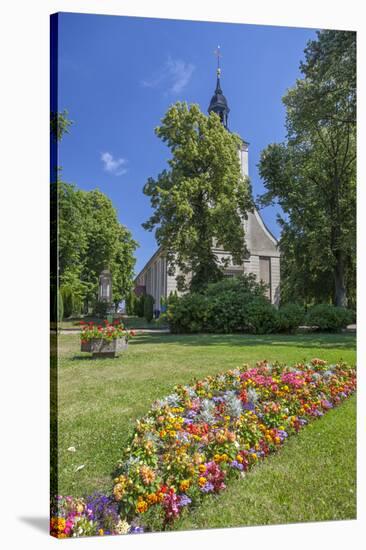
(141, 506)
(152, 498)
(147, 475)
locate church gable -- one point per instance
(259, 239)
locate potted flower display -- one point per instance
(104, 341)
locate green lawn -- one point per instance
(99, 400)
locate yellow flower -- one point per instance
(202, 467)
(184, 485)
(152, 498)
(58, 524)
(254, 456)
(101, 532)
(141, 506)
(202, 481)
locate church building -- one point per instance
(264, 255)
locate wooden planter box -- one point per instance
(104, 348)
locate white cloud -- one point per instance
(173, 76)
(112, 165)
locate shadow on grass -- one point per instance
(325, 340)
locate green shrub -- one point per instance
(224, 307)
(68, 300)
(149, 308)
(328, 317)
(139, 306)
(290, 317)
(131, 302)
(189, 313)
(261, 317)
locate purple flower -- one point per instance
(184, 500)
(103, 510)
(136, 529)
(237, 465)
(207, 488)
(218, 399)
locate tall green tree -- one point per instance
(202, 197)
(312, 175)
(92, 239)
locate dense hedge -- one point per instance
(239, 305)
(328, 317)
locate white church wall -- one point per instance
(275, 280)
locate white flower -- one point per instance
(122, 527)
(72, 449)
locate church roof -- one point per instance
(218, 100)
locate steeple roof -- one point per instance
(218, 103)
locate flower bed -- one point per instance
(196, 439)
(108, 332)
(104, 341)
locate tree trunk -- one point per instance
(340, 293)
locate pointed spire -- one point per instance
(218, 102)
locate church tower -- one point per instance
(218, 103)
(263, 259)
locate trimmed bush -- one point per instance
(188, 313)
(328, 317)
(290, 317)
(131, 302)
(149, 308)
(231, 305)
(139, 306)
(261, 317)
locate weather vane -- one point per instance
(217, 52)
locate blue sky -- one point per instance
(118, 76)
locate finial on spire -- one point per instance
(217, 52)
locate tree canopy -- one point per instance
(91, 239)
(201, 199)
(312, 175)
